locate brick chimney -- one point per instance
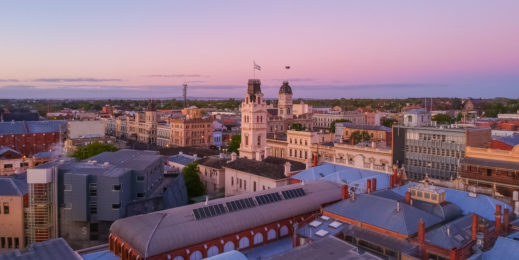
(408, 198)
(316, 159)
(421, 232)
(474, 227)
(374, 185)
(368, 186)
(453, 254)
(506, 220)
(344, 192)
(498, 219)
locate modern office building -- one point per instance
(435, 151)
(93, 193)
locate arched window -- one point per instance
(283, 231)
(271, 234)
(212, 251)
(197, 255)
(228, 246)
(244, 242)
(258, 238)
(178, 258)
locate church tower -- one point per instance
(151, 123)
(285, 101)
(253, 123)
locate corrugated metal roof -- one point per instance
(329, 248)
(183, 159)
(504, 248)
(49, 250)
(32, 127)
(366, 127)
(13, 185)
(491, 163)
(512, 140)
(383, 213)
(481, 204)
(340, 174)
(163, 231)
(270, 167)
(5, 149)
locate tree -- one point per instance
(388, 122)
(358, 136)
(297, 127)
(332, 125)
(442, 119)
(89, 150)
(191, 175)
(234, 145)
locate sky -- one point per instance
(346, 48)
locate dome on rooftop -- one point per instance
(285, 88)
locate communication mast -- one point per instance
(184, 93)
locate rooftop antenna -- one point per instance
(184, 93)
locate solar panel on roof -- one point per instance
(209, 211)
(290, 194)
(268, 198)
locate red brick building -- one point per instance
(31, 137)
(206, 229)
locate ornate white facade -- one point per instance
(254, 123)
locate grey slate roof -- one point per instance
(454, 234)
(13, 185)
(213, 162)
(270, 167)
(53, 249)
(329, 248)
(163, 231)
(32, 127)
(491, 163)
(382, 212)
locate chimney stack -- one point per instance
(287, 169)
(408, 198)
(498, 219)
(316, 159)
(506, 220)
(344, 192)
(474, 227)
(368, 186)
(421, 231)
(374, 185)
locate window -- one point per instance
(93, 207)
(68, 187)
(116, 206)
(68, 206)
(8, 166)
(16, 242)
(3, 242)
(94, 227)
(116, 187)
(140, 195)
(10, 242)
(6, 208)
(489, 172)
(92, 189)
(232, 181)
(246, 140)
(259, 139)
(24, 164)
(140, 178)
(253, 186)
(244, 184)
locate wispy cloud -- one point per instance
(297, 80)
(9, 80)
(173, 76)
(60, 80)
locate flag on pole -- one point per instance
(256, 66)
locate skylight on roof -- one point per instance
(315, 223)
(325, 218)
(321, 233)
(335, 224)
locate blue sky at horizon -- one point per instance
(359, 49)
